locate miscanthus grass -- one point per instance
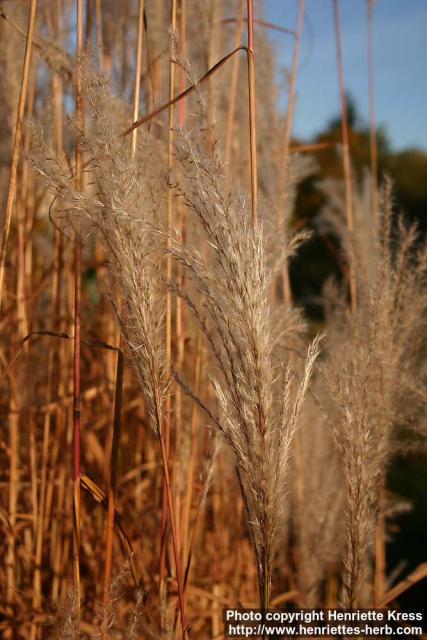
(374, 370)
(259, 400)
(121, 206)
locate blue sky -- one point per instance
(400, 64)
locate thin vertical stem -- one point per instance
(179, 305)
(291, 97)
(88, 25)
(252, 113)
(99, 34)
(233, 86)
(77, 314)
(181, 73)
(24, 239)
(112, 468)
(112, 488)
(56, 525)
(14, 481)
(345, 151)
(171, 113)
(372, 116)
(24, 228)
(16, 142)
(286, 145)
(186, 547)
(137, 84)
(380, 550)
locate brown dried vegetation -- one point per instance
(241, 459)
